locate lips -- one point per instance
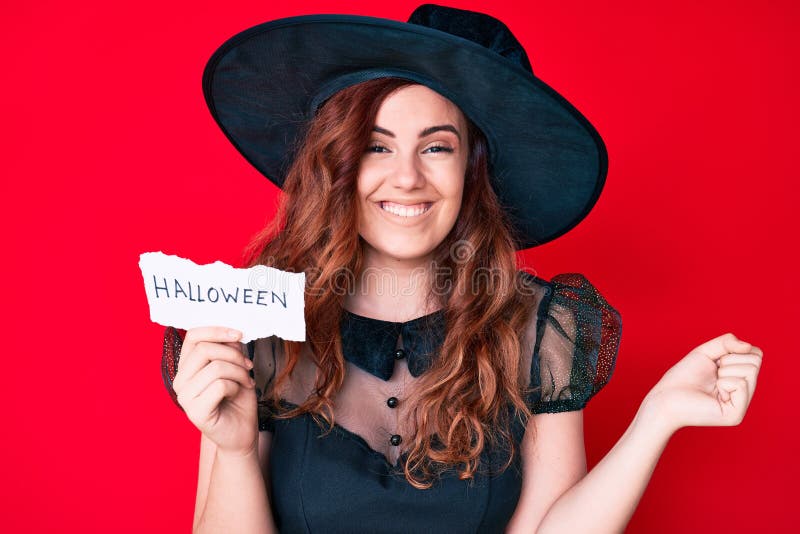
(405, 210)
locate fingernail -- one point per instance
(249, 364)
(233, 334)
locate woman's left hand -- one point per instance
(711, 386)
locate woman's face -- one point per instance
(411, 178)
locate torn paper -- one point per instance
(259, 301)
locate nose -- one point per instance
(408, 172)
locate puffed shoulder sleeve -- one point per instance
(577, 339)
(170, 357)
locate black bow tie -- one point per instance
(371, 343)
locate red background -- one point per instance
(108, 151)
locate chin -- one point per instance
(402, 250)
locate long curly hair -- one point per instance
(476, 387)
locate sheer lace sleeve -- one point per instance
(578, 335)
(263, 369)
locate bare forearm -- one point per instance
(237, 497)
(605, 499)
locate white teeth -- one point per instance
(403, 211)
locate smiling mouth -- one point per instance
(402, 210)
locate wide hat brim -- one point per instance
(263, 86)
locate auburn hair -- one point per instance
(476, 386)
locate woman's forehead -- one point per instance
(417, 104)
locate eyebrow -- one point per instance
(427, 131)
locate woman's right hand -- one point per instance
(214, 388)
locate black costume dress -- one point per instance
(347, 480)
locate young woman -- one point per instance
(439, 387)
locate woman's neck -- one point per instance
(392, 289)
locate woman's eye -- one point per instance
(440, 148)
(433, 149)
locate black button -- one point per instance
(392, 402)
(395, 440)
(399, 354)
